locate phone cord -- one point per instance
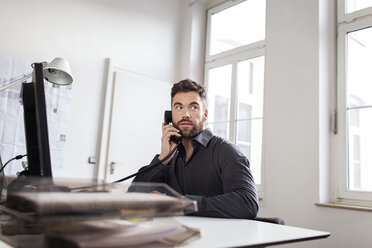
(135, 174)
(150, 166)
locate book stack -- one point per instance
(95, 219)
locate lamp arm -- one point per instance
(17, 81)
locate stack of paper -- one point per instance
(120, 233)
(93, 203)
(95, 219)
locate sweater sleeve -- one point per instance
(156, 174)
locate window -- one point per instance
(234, 71)
(353, 142)
(227, 25)
(219, 99)
(354, 5)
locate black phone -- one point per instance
(167, 120)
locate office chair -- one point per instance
(274, 220)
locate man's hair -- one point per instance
(188, 85)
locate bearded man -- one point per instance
(206, 168)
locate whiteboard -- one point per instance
(135, 115)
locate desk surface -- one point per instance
(217, 232)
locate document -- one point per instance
(119, 203)
(120, 233)
(98, 219)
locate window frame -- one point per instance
(343, 17)
(347, 22)
(233, 57)
(237, 50)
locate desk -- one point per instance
(218, 232)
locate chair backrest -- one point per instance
(274, 220)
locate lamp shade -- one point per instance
(58, 72)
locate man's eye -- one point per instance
(178, 107)
(194, 107)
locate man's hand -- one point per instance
(157, 192)
(166, 144)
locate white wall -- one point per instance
(143, 36)
(193, 35)
(297, 125)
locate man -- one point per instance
(206, 168)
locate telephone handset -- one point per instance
(167, 120)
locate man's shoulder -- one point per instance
(217, 143)
(222, 142)
(223, 146)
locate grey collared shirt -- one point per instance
(217, 176)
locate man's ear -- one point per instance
(205, 115)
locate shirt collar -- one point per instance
(204, 137)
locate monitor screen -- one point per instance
(36, 127)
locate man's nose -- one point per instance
(186, 113)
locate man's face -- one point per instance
(188, 113)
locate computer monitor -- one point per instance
(1, 180)
(36, 127)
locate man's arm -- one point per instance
(239, 199)
(156, 174)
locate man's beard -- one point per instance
(190, 133)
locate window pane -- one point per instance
(218, 101)
(359, 73)
(244, 127)
(252, 148)
(359, 149)
(221, 113)
(219, 129)
(227, 26)
(354, 5)
(246, 150)
(250, 80)
(354, 117)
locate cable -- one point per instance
(10, 160)
(135, 174)
(149, 167)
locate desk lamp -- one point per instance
(33, 98)
(57, 72)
